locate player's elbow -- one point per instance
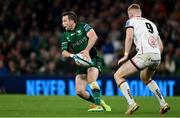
(92, 35)
(95, 37)
(130, 39)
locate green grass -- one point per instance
(68, 106)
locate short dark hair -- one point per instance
(71, 15)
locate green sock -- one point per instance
(96, 95)
(90, 99)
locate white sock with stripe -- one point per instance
(126, 92)
(155, 89)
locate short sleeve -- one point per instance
(129, 24)
(155, 30)
(87, 28)
(64, 43)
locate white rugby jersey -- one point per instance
(146, 35)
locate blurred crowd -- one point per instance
(31, 32)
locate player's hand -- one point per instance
(122, 60)
(86, 54)
(72, 56)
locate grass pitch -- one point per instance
(73, 106)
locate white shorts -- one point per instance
(147, 60)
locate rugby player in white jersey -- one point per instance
(149, 47)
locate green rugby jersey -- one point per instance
(77, 39)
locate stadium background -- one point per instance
(30, 55)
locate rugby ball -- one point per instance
(82, 61)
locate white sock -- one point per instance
(155, 89)
(126, 92)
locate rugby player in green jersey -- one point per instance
(80, 37)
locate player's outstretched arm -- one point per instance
(128, 40)
(128, 44)
(92, 39)
(91, 42)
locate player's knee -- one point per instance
(117, 75)
(79, 92)
(144, 79)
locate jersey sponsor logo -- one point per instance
(152, 42)
(72, 34)
(68, 38)
(64, 43)
(79, 42)
(79, 32)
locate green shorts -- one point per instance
(98, 63)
